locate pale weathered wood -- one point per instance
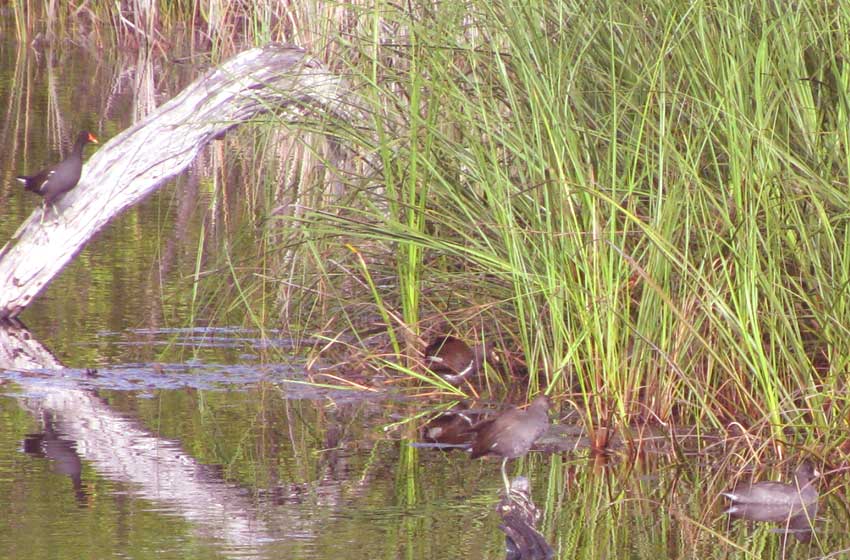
(139, 160)
(120, 449)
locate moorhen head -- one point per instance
(454, 360)
(800, 492)
(511, 433)
(56, 180)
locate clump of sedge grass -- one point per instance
(650, 200)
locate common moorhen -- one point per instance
(60, 178)
(454, 360)
(511, 433)
(801, 492)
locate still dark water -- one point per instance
(167, 441)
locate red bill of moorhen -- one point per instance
(454, 360)
(56, 180)
(511, 433)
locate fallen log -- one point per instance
(138, 161)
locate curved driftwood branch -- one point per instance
(139, 160)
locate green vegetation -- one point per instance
(646, 201)
(650, 203)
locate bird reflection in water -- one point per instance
(797, 521)
(61, 452)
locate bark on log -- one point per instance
(135, 163)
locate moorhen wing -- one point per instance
(454, 360)
(56, 180)
(511, 433)
(800, 492)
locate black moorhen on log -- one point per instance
(511, 433)
(454, 360)
(56, 180)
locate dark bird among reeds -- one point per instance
(800, 492)
(454, 360)
(511, 433)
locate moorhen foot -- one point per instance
(511, 433)
(56, 180)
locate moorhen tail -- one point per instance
(56, 180)
(511, 433)
(800, 492)
(454, 360)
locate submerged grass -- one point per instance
(645, 205)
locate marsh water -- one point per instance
(158, 435)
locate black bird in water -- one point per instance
(511, 433)
(56, 180)
(794, 505)
(801, 492)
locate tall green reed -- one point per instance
(652, 196)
